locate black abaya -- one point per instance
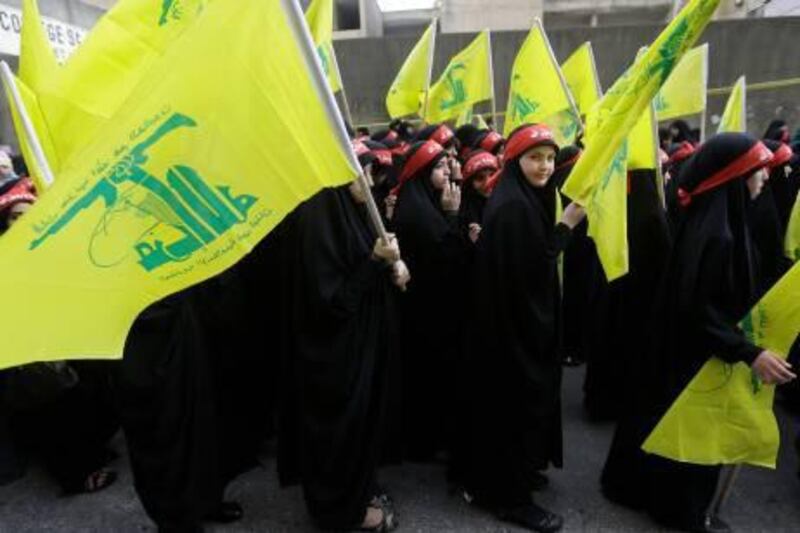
(340, 343)
(514, 365)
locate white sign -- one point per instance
(64, 37)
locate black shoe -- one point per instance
(712, 524)
(226, 513)
(533, 517)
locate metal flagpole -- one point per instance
(430, 68)
(724, 490)
(30, 131)
(491, 75)
(662, 194)
(704, 115)
(297, 22)
(563, 81)
(344, 93)
(744, 103)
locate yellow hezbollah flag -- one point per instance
(685, 91)
(642, 144)
(408, 88)
(320, 20)
(734, 119)
(538, 92)
(98, 78)
(793, 233)
(190, 173)
(37, 65)
(617, 113)
(580, 73)
(724, 416)
(466, 81)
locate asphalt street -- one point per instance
(762, 500)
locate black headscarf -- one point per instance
(684, 132)
(777, 131)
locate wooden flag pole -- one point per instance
(27, 124)
(430, 68)
(491, 75)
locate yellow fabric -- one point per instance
(580, 72)
(31, 104)
(536, 94)
(320, 20)
(37, 65)
(642, 144)
(99, 77)
(192, 171)
(724, 416)
(407, 92)
(614, 117)
(466, 81)
(684, 93)
(734, 118)
(792, 247)
(465, 117)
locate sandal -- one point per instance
(387, 523)
(99, 480)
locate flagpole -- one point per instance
(704, 115)
(430, 68)
(30, 131)
(296, 21)
(491, 75)
(344, 93)
(597, 85)
(563, 81)
(662, 194)
(724, 490)
(744, 103)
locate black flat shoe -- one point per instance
(533, 517)
(226, 513)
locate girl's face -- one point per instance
(538, 165)
(481, 182)
(440, 175)
(755, 183)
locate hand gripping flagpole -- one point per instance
(30, 132)
(297, 22)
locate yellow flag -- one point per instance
(191, 172)
(37, 65)
(643, 144)
(724, 416)
(465, 118)
(617, 113)
(320, 20)
(466, 81)
(580, 73)
(408, 89)
(98, 78)
(685, 91)
(734, 119)
(537, 92)
(792, 247)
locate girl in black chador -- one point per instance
(709, 285)
(340, 360)
(514, 365)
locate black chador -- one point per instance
(436, 251)
(514, 386)
(708, 286)
(339, 360)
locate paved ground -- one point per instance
(762, 500)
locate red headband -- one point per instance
(757, 157)
(384, 157)
(421, 158)
(391, 136)
(22, 191)
(570, 161)
(527, 138)
(781, 156)
(478, 162)
(442, 135)
(685, 150)
(400, 149)
(491, 141)
(360, 148)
